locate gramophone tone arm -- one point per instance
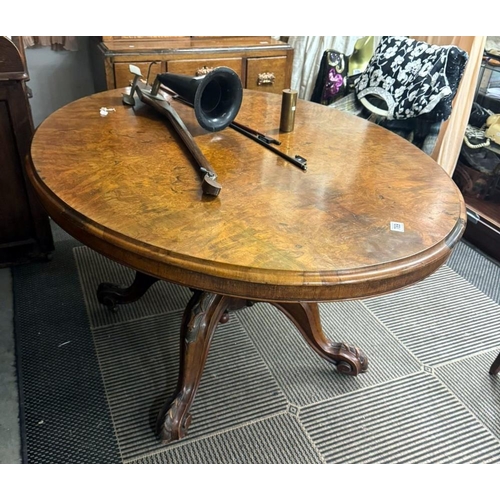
(210, 186)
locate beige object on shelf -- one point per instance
(493, 128)
(361, 55)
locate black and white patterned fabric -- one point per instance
(413, 78)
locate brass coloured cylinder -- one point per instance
(288, 105)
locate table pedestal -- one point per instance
(203, 313)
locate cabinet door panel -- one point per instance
(15, 218)
(196, 67)
(258, 70)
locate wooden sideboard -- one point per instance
(25, 233)
(261, 62)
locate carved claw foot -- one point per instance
(349, 359)
(173, 420)
(110, 295)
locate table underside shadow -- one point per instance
(203, 313)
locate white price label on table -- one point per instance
(398, 226)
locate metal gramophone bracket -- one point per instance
(149, 95)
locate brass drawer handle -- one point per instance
(203, 71)
(265, 79)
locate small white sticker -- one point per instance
(398, 226)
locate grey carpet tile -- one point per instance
(139, 366)
(59, 234)
(481, 271)
(94, 269)
(64, 415)
(411, 420)
(470, 381)
(441, 319)
(10, 451)
(307, 378)
(275, 440)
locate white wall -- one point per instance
(58, 77)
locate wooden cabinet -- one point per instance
(262, 63)
(25, 233)
(481, 187)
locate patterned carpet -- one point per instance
(92, 380)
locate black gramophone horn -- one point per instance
(216, 97)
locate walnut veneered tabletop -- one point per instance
(124, 183)
(371, 214)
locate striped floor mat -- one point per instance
(93, 380)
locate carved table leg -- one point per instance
(110, 295)
(234, 305)
(200, 320)
(349, 359)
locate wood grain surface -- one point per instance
(125, 185)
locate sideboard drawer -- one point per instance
(196, 67)
(268, 74)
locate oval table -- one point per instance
(371, 214)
